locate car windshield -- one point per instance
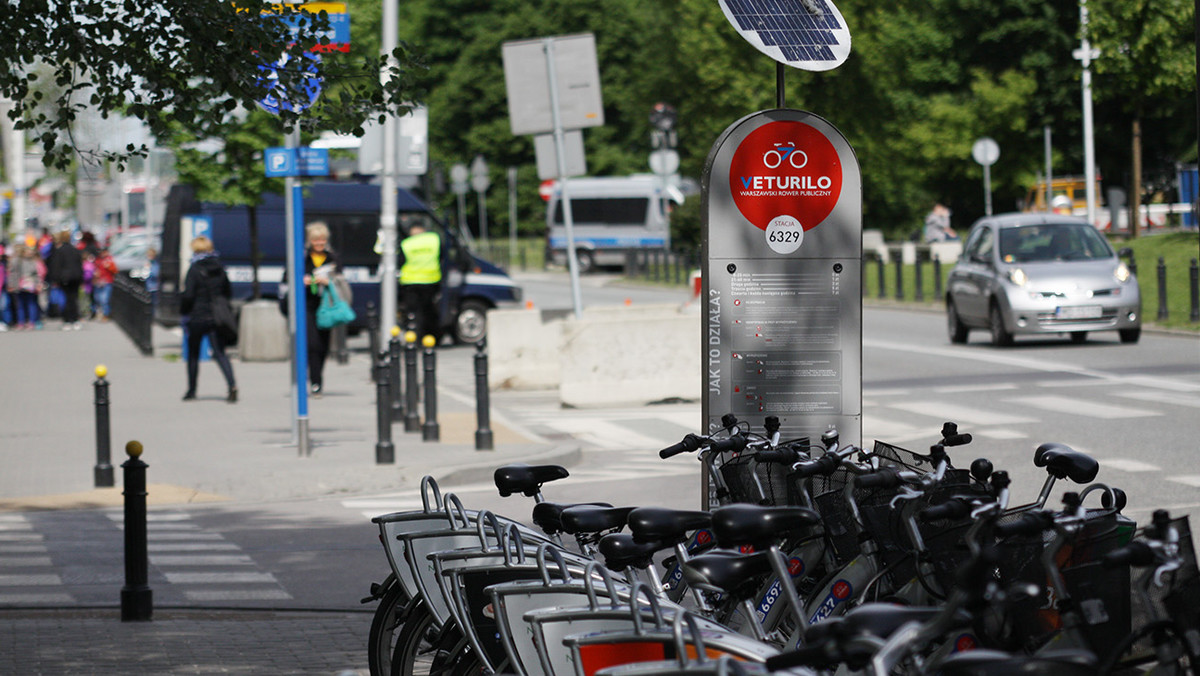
(1052, 242)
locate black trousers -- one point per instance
(420, 300)
(195, 336)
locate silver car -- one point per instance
(1040, 274)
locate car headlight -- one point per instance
(1017, 276)
(1122, 273)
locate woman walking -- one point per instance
(320, 266)
(206, 280)
(26, 273)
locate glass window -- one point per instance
(606, 211)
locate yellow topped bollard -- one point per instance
(103, 472)
(429, 429)
(133, 449)
(395, 394)
(137, 600)
(395, 331)
(429, 341)
(412, 419)
(410, 337)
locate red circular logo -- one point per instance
(841, 590)
(964, 643)
(703, 537)
(795, 566)
(785, 168)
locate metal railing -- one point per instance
(133, 311)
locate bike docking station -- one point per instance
(781, 276)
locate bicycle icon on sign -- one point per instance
(785, 152)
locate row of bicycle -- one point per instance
(815, 558)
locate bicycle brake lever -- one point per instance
(906, 493)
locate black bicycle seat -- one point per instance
(737, 525)
(593, 519)
(526, 479)
(620, 551)
(1062, 461)
(548, 515)
(659, 524)
(997, 663)
(727, 572)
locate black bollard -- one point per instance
(372, 334)
(879, 265)
(1194, 283)
(1162, 289)
(397, 405)
(900, 276)
(137, 599)
(385, 451)
(483, 433)
(918, 281)
(937, 276)
(103, 472)
(412, 420)
(430, 430)
(339, 341)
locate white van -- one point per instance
(611, 216)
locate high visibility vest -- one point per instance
(422, 259)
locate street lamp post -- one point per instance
(1085, 54)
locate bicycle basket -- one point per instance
(829, 498)
(1179, 596)
(753, 482)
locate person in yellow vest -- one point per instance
(420, 259)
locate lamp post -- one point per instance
(480, 182)
(1085, 54)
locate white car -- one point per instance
(1034, 273)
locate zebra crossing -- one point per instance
(77, 558)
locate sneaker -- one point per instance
(3, 327)
(188, 396)
(66, 327)
(316, 390)
(76, 326)
(232, 397)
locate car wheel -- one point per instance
(586, 261)
(1000, 335)
(954, 326)
(1078, 337)
(1130, 335)
(471, 323)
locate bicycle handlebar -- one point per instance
(784, 456)
(954, 508)
(806, 656)
(884, 478)
(1028, 524)
(957, 440)
(690, 443)
(1137, 553)
(735, 443)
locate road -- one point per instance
(1132, 407)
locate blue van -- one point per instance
(470, 285)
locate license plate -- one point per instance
(1078, 312)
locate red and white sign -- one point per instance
(785, 178)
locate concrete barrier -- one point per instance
(522, 350)
(262, 332)
(630, 355)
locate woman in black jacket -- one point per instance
(321, 265)
(205, 281)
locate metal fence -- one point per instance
(133, 311)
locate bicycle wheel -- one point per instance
(1168, 655)
(414, 650)
(385, 629)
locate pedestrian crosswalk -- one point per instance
(71, 558)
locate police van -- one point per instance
(470, 285)
(611, 216)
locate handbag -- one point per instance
(333, 311)
(224, 320)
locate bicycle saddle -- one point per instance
(548, 515)
(671, 526)
(876, 619)
(736, 525)
(593, 519)
(1062, 461)
(620, 551)
(727, 572)
(526, 479)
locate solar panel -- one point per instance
(804, 34)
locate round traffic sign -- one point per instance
(458, 179)
(480, 181)
(664, 162)
(985, 151)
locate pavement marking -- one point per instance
(153, 516)
(1083, 407)
(944, 410)
(995, 387)
(11, 526)
(1192, 480)
(1000, 434)
(245, 595)
(1073, 382)
(1163, 397)
(31, 580)
(55, 598)
(201, 560)
(24, 549)
(218, 578)
(160, 536)
(605, 434)
(1127, 465)
(21, 537)
(18, 561)
(193, 547)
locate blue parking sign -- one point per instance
(280, 162)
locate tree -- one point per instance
(1147, 59)
(190, 65)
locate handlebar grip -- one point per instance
(807, 656)
(1028, 524)
(1136, 553)
(822, 465)
(956, 440)
(690, 443)
(734, 443)
(884, 478)
(953, 508)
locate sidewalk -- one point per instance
(201, 451)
